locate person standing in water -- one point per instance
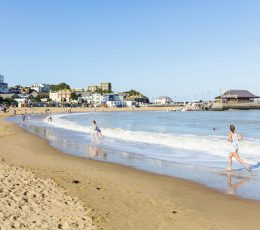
(23, 117)
(95, 132)
(234, 138)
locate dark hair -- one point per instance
(94, 121)
(232, 128)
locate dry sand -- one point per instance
(125, 198)
(27, 202)
(39, 110)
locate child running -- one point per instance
(96, 132)
(234, 138)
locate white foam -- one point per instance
(213, 145)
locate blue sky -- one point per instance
(182, 49)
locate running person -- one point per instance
(234, 138)
(95, 132)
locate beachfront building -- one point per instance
(163, 100)
(237, 96)
(3, 85)
(39, 87)
(113, 100)
(60, 96)
(97, 99)
(86, 97)
(90, 98)
(235, 99)
(22, 100)
(138, 99)
(130, 103)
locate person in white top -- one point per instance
(234, 138)
(96, 132)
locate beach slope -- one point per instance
(122, 197)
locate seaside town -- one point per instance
(102, 95)
(130, 115)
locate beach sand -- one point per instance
(29, 202)
(42, 110)
(121, 197)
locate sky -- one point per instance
(183, 49)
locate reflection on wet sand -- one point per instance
(236, 183)
(96, 151)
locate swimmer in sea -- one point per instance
(234, 138)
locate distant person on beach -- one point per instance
(50, 118)
(234, 138)
(23, 117)
(96, 132)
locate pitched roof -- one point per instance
(238, 94)
(8, 95)
(164, 98)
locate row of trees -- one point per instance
(8, 101)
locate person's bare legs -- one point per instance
(229, 161)
(241, 161)
(92, 137)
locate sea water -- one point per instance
(188, 145)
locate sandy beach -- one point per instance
(42, 110)
(113, 196)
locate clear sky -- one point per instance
(181, 49)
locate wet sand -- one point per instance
(126, 198)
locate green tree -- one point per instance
(37, 99)
(8, 101)
(102, 91)
(137, 96)
(74, 96)
(133, 93)
(61, 86)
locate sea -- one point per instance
(188, 145)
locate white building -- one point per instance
(86, 97)
(60, 96)
(91, 98)
(114, 100)
(97, 99)
(39, 87)
(23, 100)
(163, 100)
(131, 103)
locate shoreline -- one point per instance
(123, 197)
(42, 110)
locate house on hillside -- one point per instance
(39, 87)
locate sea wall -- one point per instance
(218, 106)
